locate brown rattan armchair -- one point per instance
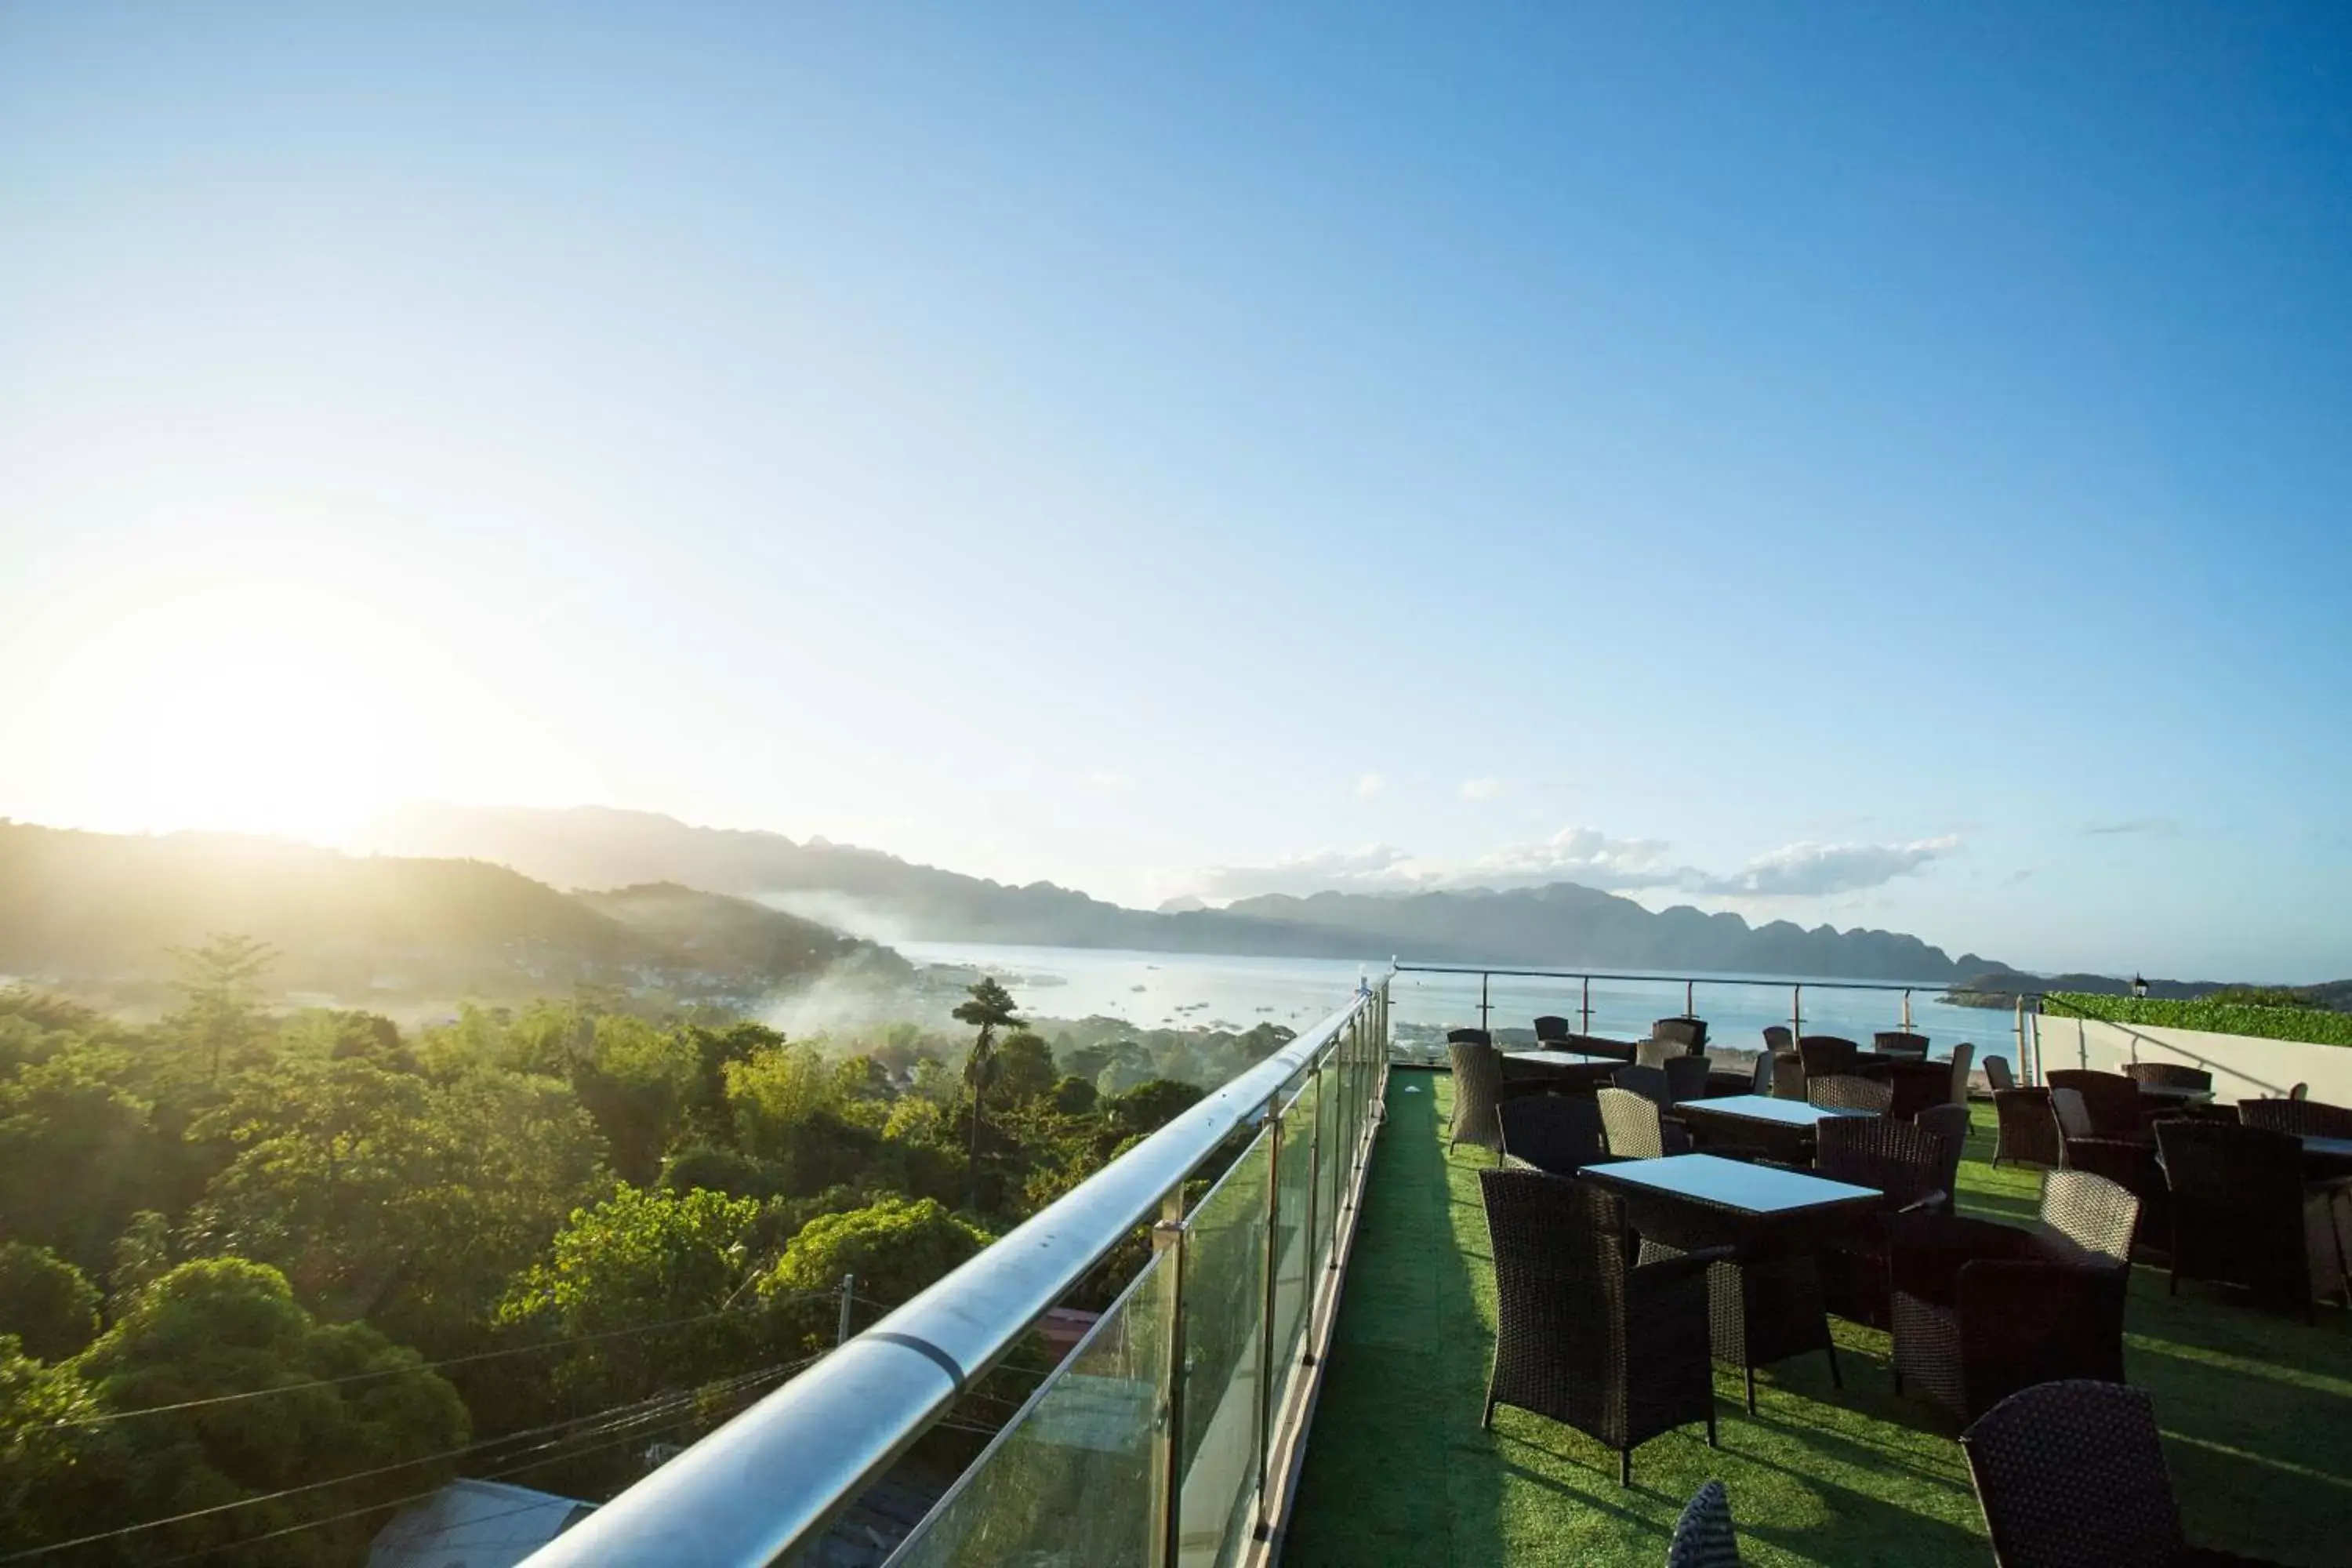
(1559, 1133)
(1686, 1078)
(1913, 1166)
(1997, 1074)
(1702, 1536)
(2243, 1214)
(1688, 1032)
(2026, 1128)
(1551, 1028)
(2114, 1101)
(2169, 1075)
(2070, 1475)
(1825, 1054)
(1847, 1091)
(1634, 1129)
(1899, 1043)
(1981, 1310)
(2304, 1117)
(1477, 1087)
(1581, 1335)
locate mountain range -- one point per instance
(102, 912)
(1561, 925)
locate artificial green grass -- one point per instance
(2256, 1408)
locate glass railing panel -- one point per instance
(1295, 1223)
(1070, 1480)
(1225, 1313)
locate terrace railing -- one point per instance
(1569, 992)
(1171, 1435)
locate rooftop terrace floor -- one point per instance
(2256, 1408)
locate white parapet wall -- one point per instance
(2244, 1067)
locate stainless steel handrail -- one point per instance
(777, 1474)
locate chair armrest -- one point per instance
(1928, 1247)
(1936, 1202)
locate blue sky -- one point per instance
(1849, 464)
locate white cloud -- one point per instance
(1816, 870)
(1370, 784)
(1582, 854)
(1106, 779)
(1485, 789)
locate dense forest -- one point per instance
(264, 1273)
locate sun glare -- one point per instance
(264, 707)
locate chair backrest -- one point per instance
(1844, 1091)
(1686, 1078)
(1651, 1083)
(2096, 1215)
(1900, 1159)
(2298, 1092)
(1560, 1248)
(2237, 1202)
(1899, 1043)
(1787, 1076)
(2112, 1100)
(1551, 1027)
(1778, 1038)
(1824, 1054)
(1997, 1074)
(1657, 1053)
(1949, 1124)
(1963, 1055)
(1631, 1124)
(1684, 1031)
(1556, 1133)
(1759, 1076)
(2073, 1116)
(1702, 1535)
(2304, 1117)
(2029, 1126)
(2168, 1075)
(1477, 1089)
(2071, 1473)
(1468, 1038)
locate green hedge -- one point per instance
(2311, 1024)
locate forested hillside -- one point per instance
(281, 1271)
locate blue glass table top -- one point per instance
(1731, 1184)
(1763, 1108)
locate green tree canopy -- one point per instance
(895, 1247)
(46, 1302)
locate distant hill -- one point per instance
(102, 910)
(1991, 990)
(1559, 925)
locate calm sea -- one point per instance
(1171, 990)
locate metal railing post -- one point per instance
(1168, 1433)
(841, 1324)
(2025, 1074)
(1313, 1202)
(1796, 1016)
(1273, 1253)
(1483, 1009)
(1689, 1011)
(1907, 1009)
(1584, 1013)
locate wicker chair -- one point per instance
(2242, 1214)
(1997, 1074)
(1916, 1082)
(2026, 1130)
(2070, 1475)
(1559, 1133)
(1618, 1353)
(1899, 1043)
(1982, 1310)
(1778, 1038)
(1634, 1128)
(1912, 1166)
(2117, 1110)
(2169, 1075)
(1595, 1046)
(1702, 1535)
(1845, 1091)
(1551, 1028)
(1963, 1055)
(1686, 1078)
(1649, 1082)
(1477, 1087)
(1950, 1123)
(2304, 1117)
(1760, 1080)
(1468, 1038)
(2300, 1091)
(1657, 1053)
(1826, 1054)
(1684, 1031)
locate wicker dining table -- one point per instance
(1782, 1127)
(1570, 1067)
